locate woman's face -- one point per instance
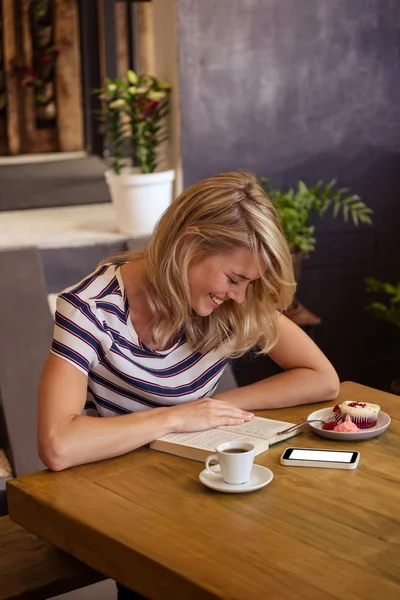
(219, 278)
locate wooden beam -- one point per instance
(68, 76)
(145, 52)
(121, 18)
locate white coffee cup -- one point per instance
(235, 460)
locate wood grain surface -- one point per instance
(33, 569)
(146, 520)
(68, 80)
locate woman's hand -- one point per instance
(206, 413)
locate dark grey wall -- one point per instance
(306, 89)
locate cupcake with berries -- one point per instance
(362, 414)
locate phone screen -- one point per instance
(319, 455)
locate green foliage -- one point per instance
(133, 114)
(389, 311)
(295, 205)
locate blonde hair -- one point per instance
(224, 212)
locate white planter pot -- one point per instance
(139, 199)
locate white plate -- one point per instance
(260, 476)
(382, 424)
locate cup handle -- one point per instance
(208, 460)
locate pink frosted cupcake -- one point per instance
(363, 414)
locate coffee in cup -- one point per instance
(235, 460)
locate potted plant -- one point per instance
(133, 115)
(388, 311)
(295, 207)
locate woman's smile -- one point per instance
(215, 300)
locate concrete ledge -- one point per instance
(66, 226)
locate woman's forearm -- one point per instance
(293, 387)
(82, 439)
(87, 439)
(308, 375)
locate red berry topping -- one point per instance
(355, 404)
(329, 426)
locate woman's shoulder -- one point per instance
(102, 282)
(100, 291)
(85, 315)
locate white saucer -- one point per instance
(382, 424)
(260, 476)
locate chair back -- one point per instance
(26, 329)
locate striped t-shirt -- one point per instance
(93, 331)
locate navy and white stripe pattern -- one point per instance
(93, 331)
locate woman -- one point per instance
(154, 330)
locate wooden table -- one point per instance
(145, 520)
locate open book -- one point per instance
(199, 444)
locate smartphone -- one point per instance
(314, 457)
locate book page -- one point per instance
(258, 427)
(208, 439)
